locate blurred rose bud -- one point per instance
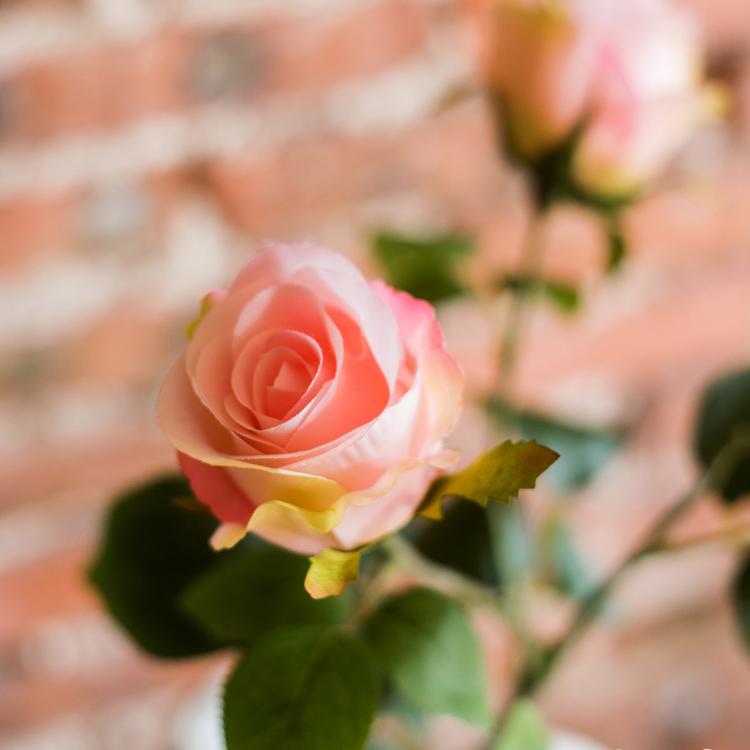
(624, 76)
(310, 406)
(539, 58)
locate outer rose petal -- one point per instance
(357, 519)
(213, 486)
(444, 380)
(365, 523)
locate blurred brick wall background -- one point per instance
(147, 146)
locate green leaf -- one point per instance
(152, 549)
(330, 571)
(564, 296)
(724, 418)
(462, 541)
(257, 590)
(303, 689)
(426, 267)
(524, 729)
(500, 474)
(426, 645)
(584, 451)
(741, 599)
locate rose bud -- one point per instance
(310, 406)
(624, 79)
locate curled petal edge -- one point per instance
(281, 516)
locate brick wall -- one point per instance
(148, 146)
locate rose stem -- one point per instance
(653, 542)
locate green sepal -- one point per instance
(330, 571)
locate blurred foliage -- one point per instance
(426, 267)
(723, 420)
(498, 548)
(151, 551)
(462, 541)
(584, 451)
(425, 643)
(308, 677)
(565, 297)
(524, 729)
(616, 244)
(302, 689)
(258, 590)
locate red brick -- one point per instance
(87, 475)
(311, 57)
(99, 88)
(108, 86)
(53, 587)
(34, 228)
(655, 335)
(726, 22)
(124, 347)
(306, 181)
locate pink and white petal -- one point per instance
(214, 487)
(283, 307)
(387, 440)
(353, 296)
(278, 262)
(211, 381)
(386, 513)
(342, 408)
(339, 282)
(333, 352)
(442, 393)
(417, 324)
(190, 427)
(194, 432)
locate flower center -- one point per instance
(287, 387)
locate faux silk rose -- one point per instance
(310, 406)
(627, 73)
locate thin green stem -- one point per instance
(736, 535)
(409, 558)
(532, 679)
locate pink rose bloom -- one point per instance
(628, 72)
(310, 406)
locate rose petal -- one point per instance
(214, 487)
(339, 283)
